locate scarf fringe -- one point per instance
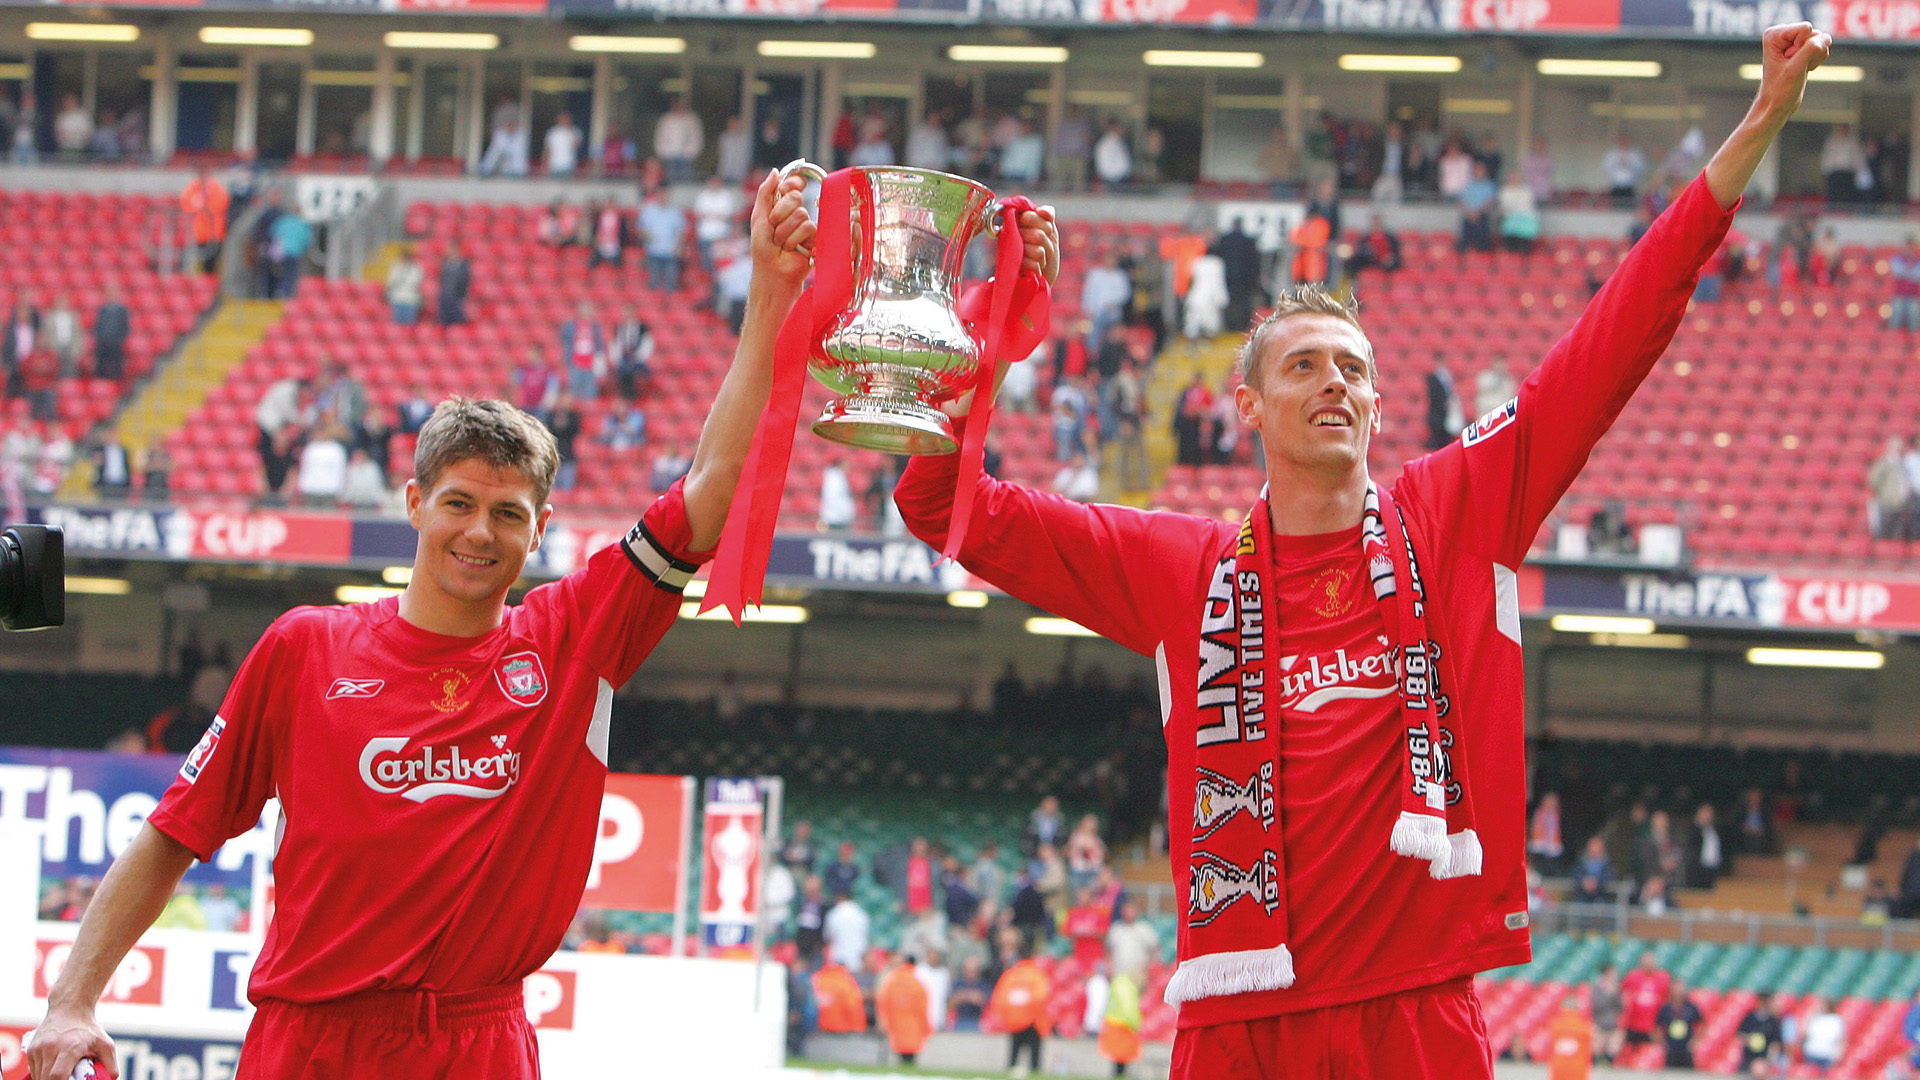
(1420, 836)
(1223, 973)
(1463, 859)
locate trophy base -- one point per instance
(887, 424)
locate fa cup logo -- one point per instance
(1217, 884)
(1217, 799)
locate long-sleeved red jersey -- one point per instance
(1363, 922)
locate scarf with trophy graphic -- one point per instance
(1008, 316)
(1237, 889)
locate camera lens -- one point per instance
(33, 578)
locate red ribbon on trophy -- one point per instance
(1008, 316)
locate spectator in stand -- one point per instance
(1641, 992)
(1825, 264)
(969, 996)
(564, 422)
(560, 226)
(1544, 846)
(323, 464)
(625, 428)
(156, 474)
(365, 487)
(809, 919)
(1659, 854)
(632, 346)
(927, 145)
(1756, 825)
(1070, 408)
(1019, 1004)
(1904, 269)
(873, 147)
(204, 202)
(1086, 926)
(1538, 172)
(901, 1007)
(1654, 897)
(1519, 216)
(663, 229)
(563, 146)
(584, 344)
(17, 341)
(714, 212)
(677, 140)
(734, 153)
(112, 325)
(1077, 478)
(287, 242)
(1759, 1035)
(341, 394)
(1112, 158)
(414, 411)
(1104, 293)
(1024, 156)
(1071, 150)
(1706, 855)
(277, 416)
(1826, 1039)
(1445, 417)
(1608, 1008)
(917, 883)
(1909, 902)
(1280, 163)
(40, 378)
(112, 465)
(1594, 861)
(405, 289)
(456, 279)
(507, 148)
(72, 128)
(1133, 945)
(1377, 248)
(1046, 825)
(608, 225)
(1841, 159)
(1890, 496)
(1086, 853)
(1130, 418)
(848, 930)
(844, 872)
(1028, 913)
(1456, 171)
(1679, 1023)
(1623, 167)
(61, 333)
(536, 383)
(1207, 297)
(986, 877)
(837, 507)
(1389, 187)
(669, 465)
(1477, 204)
(1493, 387)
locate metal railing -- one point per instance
(351, 242)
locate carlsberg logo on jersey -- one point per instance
(1306, 683)
(431, 770)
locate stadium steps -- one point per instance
(1168, 377)
(376, 268)
(200, 364)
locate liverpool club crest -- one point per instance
(522, 678)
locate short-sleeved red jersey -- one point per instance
(440, 796)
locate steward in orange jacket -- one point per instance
(841, 1006)
(901, 1006)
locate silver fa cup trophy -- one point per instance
(898, 349)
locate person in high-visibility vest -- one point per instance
(1570, 1043)
(204, 202)
(1120, 1031)
(901, 1008)
(841, 1006)
(1020, 1006)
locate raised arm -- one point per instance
(782, 236)
(1500, 480)
(133, 893)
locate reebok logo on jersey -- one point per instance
(354, 688)
(1336, 677)
(430, 771)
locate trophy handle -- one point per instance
(804, 167)
(994, 210)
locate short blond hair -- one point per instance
(1299, 300)
(490, 431)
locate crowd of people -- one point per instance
(972, 951)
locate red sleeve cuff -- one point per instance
(174, 829)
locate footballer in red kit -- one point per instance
(439, 756)
(1340, 673)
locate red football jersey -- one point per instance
(440, 796)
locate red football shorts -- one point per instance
(394, 1036)
(1434, 1033)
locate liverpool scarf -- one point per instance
(1237, 888)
